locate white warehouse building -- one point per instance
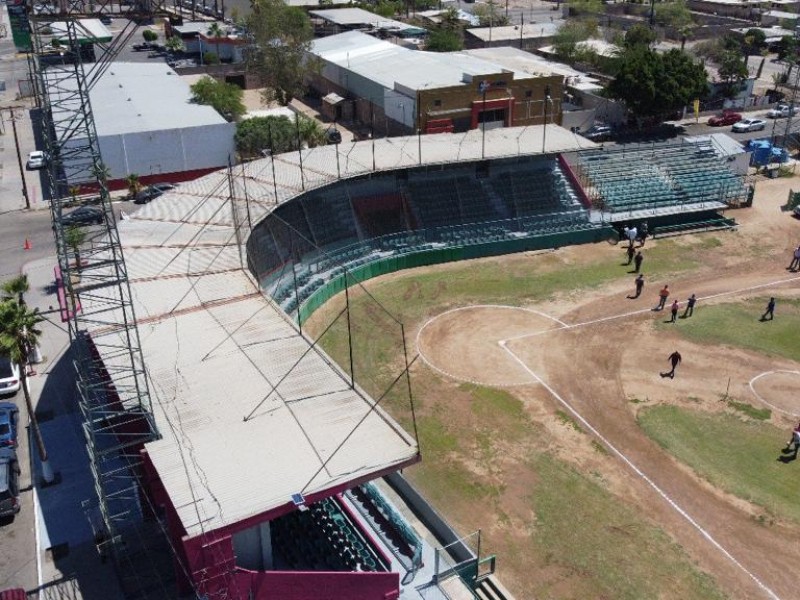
(147, 125)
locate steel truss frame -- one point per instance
(113, 390)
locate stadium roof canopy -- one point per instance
(390, 64)
(249, 413)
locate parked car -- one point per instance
(9, 376)
(796, 211)
(9, 482)
(781, 111)
(105, 19)
(151, 192)
(37, 160)
(85, 215)
(724, 119)
(749, 125)
(598, 133)
(9, 416)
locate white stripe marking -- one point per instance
(640, 473)
(757, 395)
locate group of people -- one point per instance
(634, 234)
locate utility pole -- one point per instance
(544, 131)
(19, 159)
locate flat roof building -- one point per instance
(398, 90)
(158, 136)
(527, 36)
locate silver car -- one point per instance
(749, 125)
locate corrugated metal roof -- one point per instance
(389, 64)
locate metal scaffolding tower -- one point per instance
(67, 60)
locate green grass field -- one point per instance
(487, 464)
(738, 324)
(736, 454)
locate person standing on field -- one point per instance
(674, 360)
(630, 252)
(770, 310)
(637, 260)
(662, 298)
(674, 311)
(689, 307)
(795, 264)
(794, 441)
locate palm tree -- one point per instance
(74, 236)
(216, 32)
(134, 185)
(16, 288)
(18, 336)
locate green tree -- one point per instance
(568, 37)
(19, 336)
(282, 36)
(585, 7)
(216, 32)
(787, 48)
(74, 236)
(149, 35)
(278, 134)
(732, 72)
(673, 14)
(226, 98)
(386, 9)
(444, 40)
(490, 14)
(754, 42)
(174, 44)
(656, 85)
(639, 35)
(210, 58)
(134, 185)
(15, 288)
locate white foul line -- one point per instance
(757, 395)
(639, 472)
(471, 306)
(647, 310)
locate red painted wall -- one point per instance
(300, 585)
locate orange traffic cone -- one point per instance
(27, 245)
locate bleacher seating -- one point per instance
(322, 538)
(330, 216)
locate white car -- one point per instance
(749, 125)
(781, 111)
(9, 376)
(37, 160)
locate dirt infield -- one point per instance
(598, 357)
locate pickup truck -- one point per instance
(781, 111)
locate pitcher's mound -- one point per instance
(463, 343)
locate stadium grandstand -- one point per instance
(276, 471)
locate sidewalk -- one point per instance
(67, 561)
(13, 69)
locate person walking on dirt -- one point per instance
(674, 310)
(639, 283)
(689, 307)
(630, 252)
(637, 261)
(795, 264)
(674, 360)
(662, 298)
(770, 310)
(794, 441)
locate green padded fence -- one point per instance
(437, 256)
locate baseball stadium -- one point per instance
(415, 368)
